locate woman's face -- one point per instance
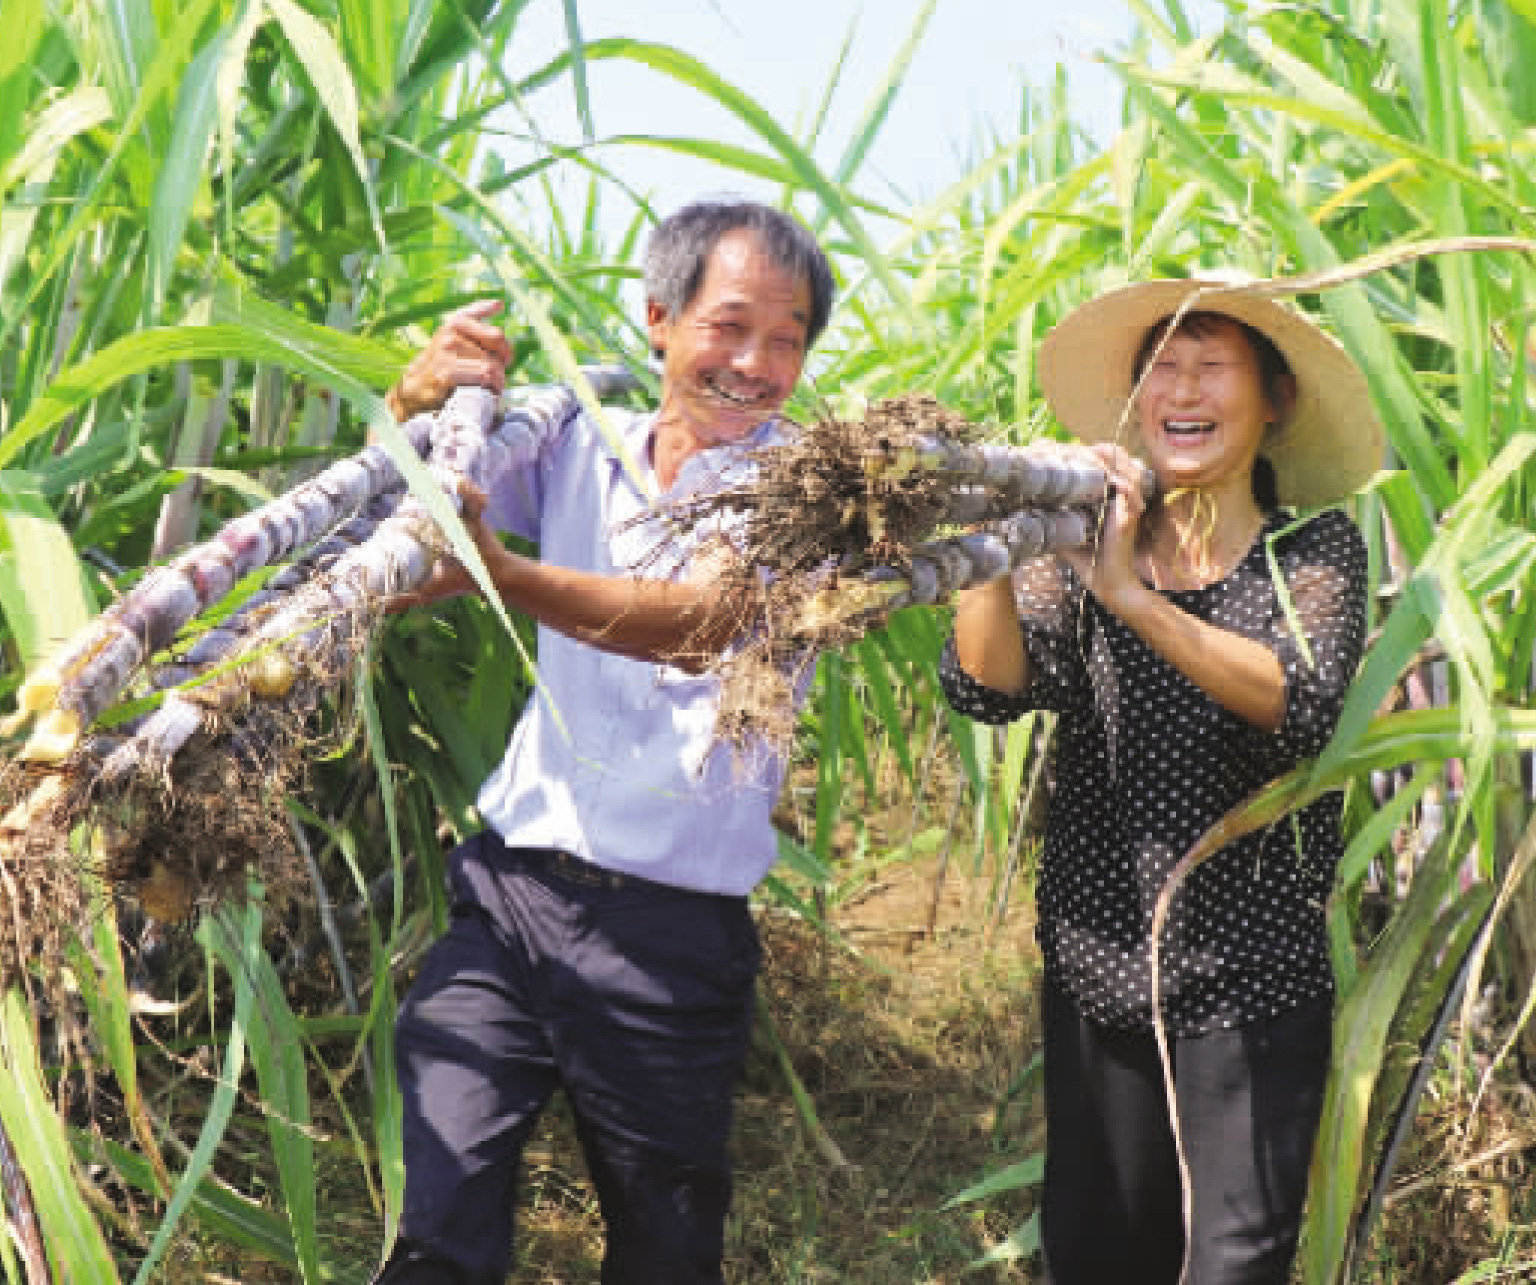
(1201, 409)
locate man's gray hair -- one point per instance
(679, 248)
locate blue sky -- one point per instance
(967, 74)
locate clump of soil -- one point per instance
(820, 508)
(824, 497)
(175, 842)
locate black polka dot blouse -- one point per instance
(1145, 762)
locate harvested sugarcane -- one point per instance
(72, 692)
(94, 668)
(841, 519)
(843, 524)
(937, 569)
(166, 736)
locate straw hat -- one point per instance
(1326, 448)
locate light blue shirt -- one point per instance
(616, 760)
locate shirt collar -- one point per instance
(638, 434)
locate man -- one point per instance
(601, 939)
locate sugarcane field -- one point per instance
(606, 677)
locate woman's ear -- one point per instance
(1283, 401)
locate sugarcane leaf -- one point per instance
(32, 1124)
(1361, 1036)
(873, 669)
(25, 20)
(1419, 1027)
(830, 693)
(1024, 1173)
(170, 58)
(328, 73)
(687, 70)
(244, 1222)
(879, 109)
(133, 354)
(56, 126)
(277, 1051)
(1377, 832)
(221, 1105)
(179, 179)
(228, 479)
(369, 361)
(104, 990)
(43, 590)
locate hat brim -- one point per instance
(1327, 448)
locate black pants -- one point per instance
(634, 997)
(1249, 1104)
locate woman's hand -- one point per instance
(1108, 569)
(465, 349)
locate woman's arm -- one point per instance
(989, 643)
(1238, 673)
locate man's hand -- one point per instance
(465, 349)
(449, 578)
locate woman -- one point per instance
(1203, 648)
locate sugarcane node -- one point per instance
(53, 739)
(271, 674)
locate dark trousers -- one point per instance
(1249, 1104)
(634, 997)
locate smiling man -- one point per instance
(601, 940)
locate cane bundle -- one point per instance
(850, 520)
(161, 737)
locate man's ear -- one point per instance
(657, 323)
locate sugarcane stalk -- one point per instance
(158, 738)
(400, 553)
(95, 669)
(938, 568)
(69, 695)
(1026, 476)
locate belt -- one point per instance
(587, 874)
(578, 870)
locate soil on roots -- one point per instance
(826, 495)
(819, 508)
(174, 843)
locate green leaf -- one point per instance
(70, 1233)
(43, 589)
(1026, 1173)
(221, 1106)
(328, 73)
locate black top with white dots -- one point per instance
(1146, 762)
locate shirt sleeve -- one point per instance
(1317, 631)
(1050, 606)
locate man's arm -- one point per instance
(686, 623)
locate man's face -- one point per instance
(733, 355)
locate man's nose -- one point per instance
(751, 357)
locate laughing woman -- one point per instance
(1202, 649)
